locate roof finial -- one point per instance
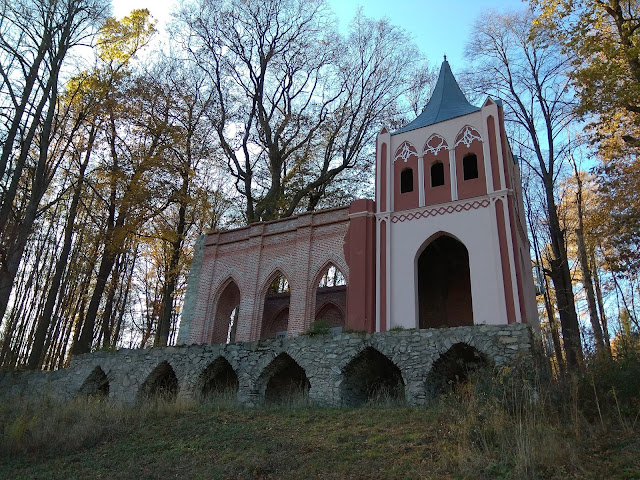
(445, 57)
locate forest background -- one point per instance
(119, 149)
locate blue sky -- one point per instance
(437, 27)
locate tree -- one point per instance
(526, 67)
(35, 39)
(296, 104)
(603, 37)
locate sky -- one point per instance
(437, 27)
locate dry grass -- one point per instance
(499, 428)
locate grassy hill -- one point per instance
(506, 430)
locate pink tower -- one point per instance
(452, 248)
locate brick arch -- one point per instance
(313, 286)
(225, 300)
(436, 150)
(405, 151)
(443, 283)
(435, 144)
(276, 323)
(271, 307)
(407, 196)
(332, 313)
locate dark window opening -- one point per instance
(406, 180)
(437, 174)
(470, 166)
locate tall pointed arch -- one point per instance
(275, 311)
(226, 314)
(330, 295)
(444, 283)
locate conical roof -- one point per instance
(446, 102)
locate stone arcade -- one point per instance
(434, 273)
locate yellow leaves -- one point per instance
(120, 40)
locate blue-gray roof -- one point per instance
(446, 102)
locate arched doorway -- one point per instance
(275, 315)
(331, 297)
(226, 317)
(444, 285)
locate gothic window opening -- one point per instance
(331, 298)
(437, 174)
(406, 180)
(225, 322)
(470, 166)
(275, 315)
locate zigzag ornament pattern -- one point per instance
(434, 212)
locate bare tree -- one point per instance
(35, 38)
(527, 68)
(296, 104)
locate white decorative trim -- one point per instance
(469, 135)
(435, 150)
(405, 151)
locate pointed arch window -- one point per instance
(406, 180)
(437, 174)
(470, 166)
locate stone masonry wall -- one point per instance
(323, 358)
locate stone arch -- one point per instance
(219, 379)
(443, 283)
(227, 304)
(96, 384)
(161, 383)
(453, 368)
(275, 310)
(329, 288)
(284, 381)
(371, 377)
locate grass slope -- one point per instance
(464, 437)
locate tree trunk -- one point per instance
(35, 360)
(561, 277)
